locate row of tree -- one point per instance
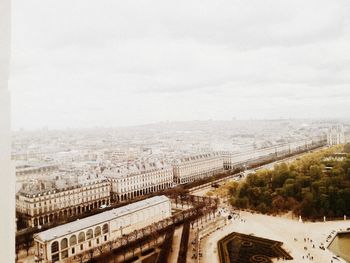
(316, 185)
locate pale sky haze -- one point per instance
(84, 63)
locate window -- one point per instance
(98, 241)
(64, 254)
(105, 229)
(55, 257)
(73, 240)
(97, 231)
(89, 234)
(89, 243)
(105, 238)
(64, 243)
(73, 250)
(81, 247)
(54, 247)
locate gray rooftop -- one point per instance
(81, 224)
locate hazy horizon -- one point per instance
(46, 127)
(87, 63)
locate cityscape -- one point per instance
(174, 132)
(121, 194)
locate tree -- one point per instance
(347, 148)
(279, 177)
(315, 172)
(28, 241)
(301, 187)
(262, 208)
(340, 207)
(233, 188)
(306, 207)
(242, 202)
(278, 203)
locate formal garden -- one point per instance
(238, 247)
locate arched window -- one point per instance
(97, 231)
(64, 243)
(73, 240)
(89, 234)
(54, 247)
(81, 237)
(105, 229)
(64, 254)
(55, 257)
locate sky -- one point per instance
(87, 63)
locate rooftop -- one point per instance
(135, 168)
(81, 224)
(197, 157)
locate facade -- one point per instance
(195, 167)
(335, 135)
(43, 202)
(236, 160)
(65, 241)
(138, 178)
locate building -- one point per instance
(42, 202)
(138, 178)
(239, 160)
(335, 135)
(191, 168)
(79, 236)
(27, 172)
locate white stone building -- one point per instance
(42, 202)
(335, 135)
(234, 160)
(134, 179)
(65, 241)
(191, 168)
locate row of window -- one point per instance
(64, 195)
(52, 208)
(68, 198)
(197, 172)
(143, 178)
(81, 238)
(64, 254)
(134, 188)
(124, 190)
(204, 165)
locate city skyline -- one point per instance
(121, 64)
(186, 131)
(303, 122)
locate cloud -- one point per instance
(75, 60)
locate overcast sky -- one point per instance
(84, 63)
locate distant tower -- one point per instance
(7, 176)
(335, 135)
